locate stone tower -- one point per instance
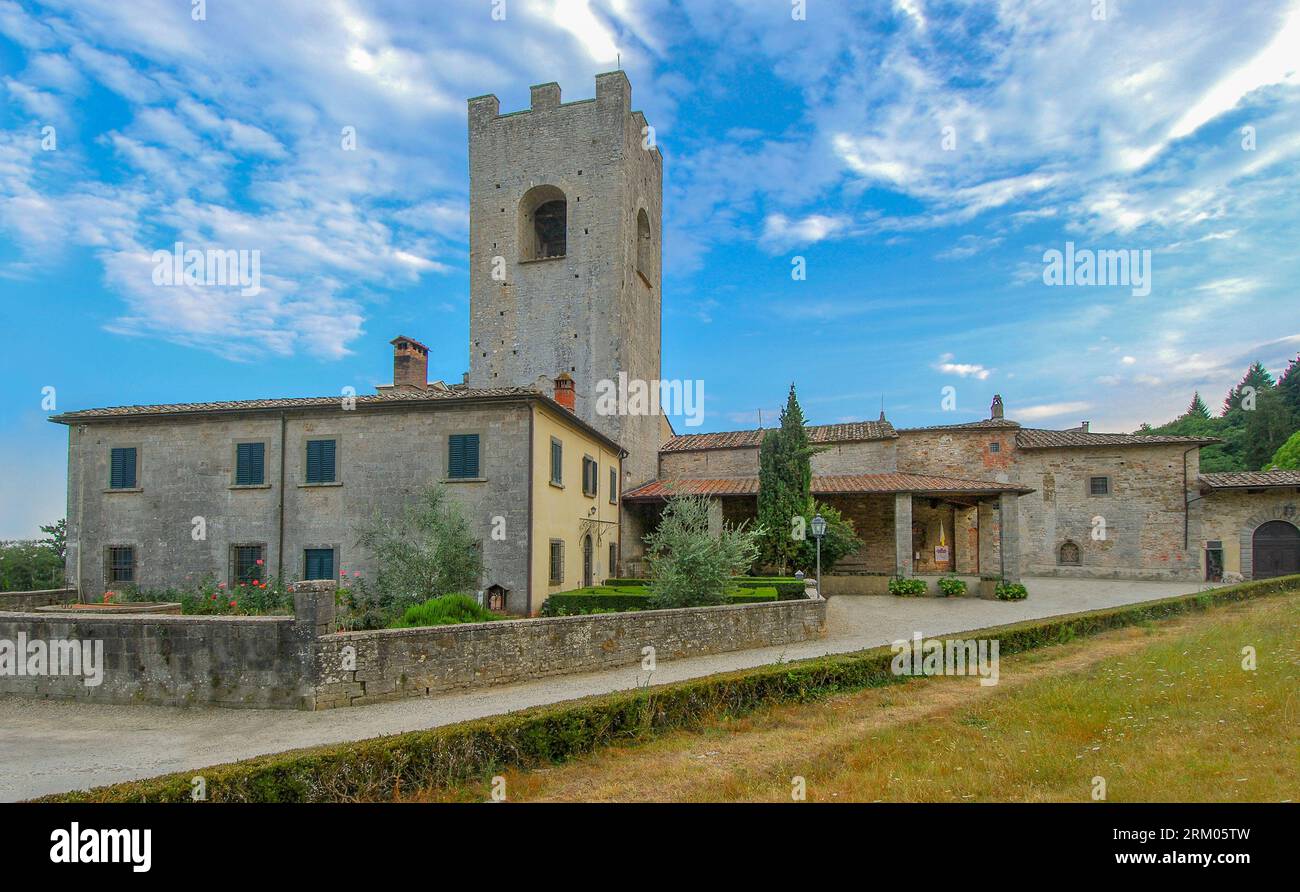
(565, 227)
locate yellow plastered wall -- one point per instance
(559, 510)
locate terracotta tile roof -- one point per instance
(1036, 438)
(836, 484)
(396, 395)
(409, 397)
(898, 482)
(1250, 479)
(662, 489)
(856, 431)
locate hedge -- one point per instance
(615, 598)
(384, 767)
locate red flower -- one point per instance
(259, 562)
(232, 603)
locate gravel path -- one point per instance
(52, 746)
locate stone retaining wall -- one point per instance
(396, 663)
(32, 600)
(298, 662)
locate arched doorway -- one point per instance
(586, 562)
(1275, 550)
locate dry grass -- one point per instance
(1163, 713)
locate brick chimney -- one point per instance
(564, 394)
(410, 363)
(996, 408)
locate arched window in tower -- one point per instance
(543, 224)
(645, 249)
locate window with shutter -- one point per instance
(463, 456)
(250, 464)
(613, 486)
(320, 461)
(318, 563)
(557, 462)
(122, 472)
(589, 475)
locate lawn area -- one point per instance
(1163, 712)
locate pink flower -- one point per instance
(221, 585)
(343, 572)
(259, 562)
(356, 574)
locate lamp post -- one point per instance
(819, 530)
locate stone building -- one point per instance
(565, 208)
(993, 498)
(167, 495)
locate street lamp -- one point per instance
(818, 531)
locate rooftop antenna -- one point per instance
(760, 419)
(619, 57)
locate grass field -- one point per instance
(1162, 712)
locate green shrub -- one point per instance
(952, 587)
(907, 587)
(373, 769)
(629, 581)
(690, 564)
(448, 610)
(611, 599)
(1011, 591)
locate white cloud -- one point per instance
(1048, 410)
(947, 366)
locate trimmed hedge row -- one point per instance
(384, 767)
(787, 587)
(610, 598)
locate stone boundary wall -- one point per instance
(236, 661)
(31, 600)
(398, 663)
(298, 662)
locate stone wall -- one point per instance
(868, 457)
(1232, 516)
(1143, 515)
(169, 660)
(709, 463)
(399, 663)
(22, 601)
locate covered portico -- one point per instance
(910, 524)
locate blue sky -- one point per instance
(822, 138)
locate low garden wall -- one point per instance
(244, 661)
(31, 600)
(298, 662)
(395, 663)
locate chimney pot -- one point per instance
(1084, 425)
(564, 394)
(410, 363)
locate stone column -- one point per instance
(313, 607)
(903, 534)
(1009, 535)
(715, 517)
(988, 536)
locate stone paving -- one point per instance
(53, 746)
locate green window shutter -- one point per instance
(557, 462)
(122, 471)
(250, 464)
(320, 461)
(462, 455)
(319, 563)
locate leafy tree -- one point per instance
(29, 566)
(56, 537)
(784, 485)
(424, 551)
(1287, 456)
(690, 565)
(1265, 429)
(1257, 378)
(841, 540)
